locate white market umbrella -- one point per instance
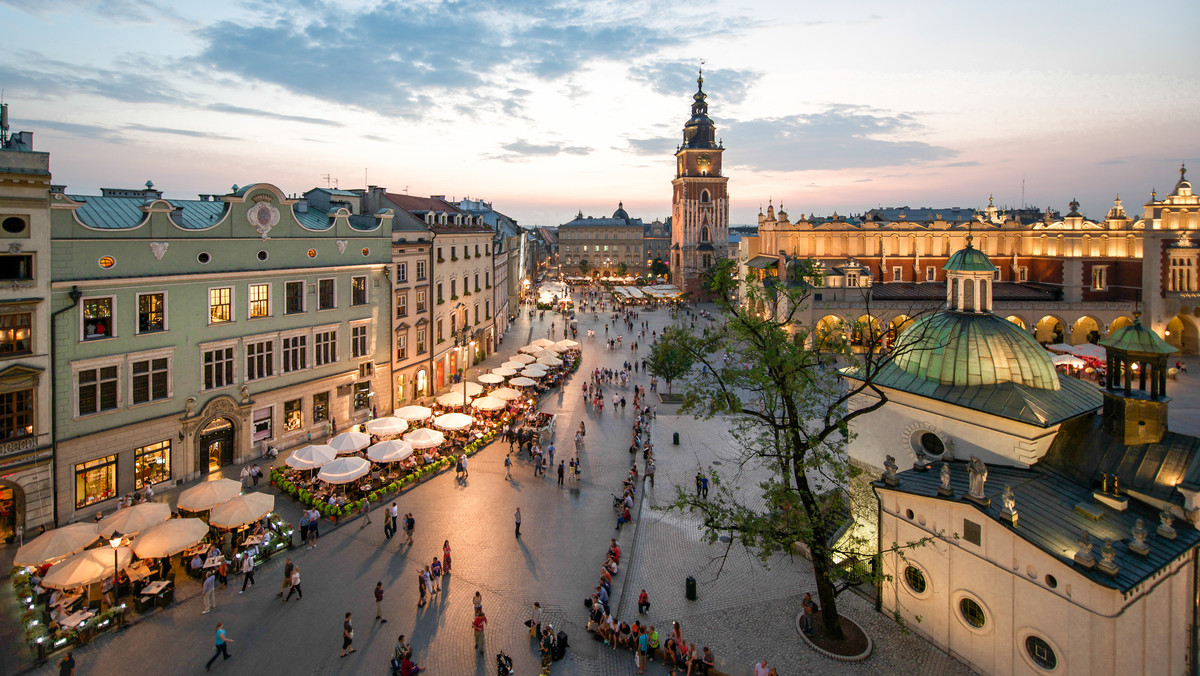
(1068, 360)
(504, 371)
(387, 426)
(242, 510)
(522, 382)
(425, 438)
(532, 372)
(453, 399)
(57, 543)
(489, 403)
(311, 457)
(344, 470)
(392, 450)
(564, 345)
(543, 342)
(512, 364)
(134, 519)
(169, 538)
(452, 422)
(531, 348)
(491, 379)
(524, 358)
(411, 413)
(86, 567)
(473, 389)
(349, 442)
(208, 495)
(550, 361)
(505, 393)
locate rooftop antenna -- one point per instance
(1022, 192)
(3, 119)
(330, 181)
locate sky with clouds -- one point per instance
(547, 108)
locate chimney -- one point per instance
(302, 206)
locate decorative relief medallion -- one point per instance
(159, 249)
(263, 215)
(14, 248)
(341, 243)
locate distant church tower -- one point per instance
(699, 201)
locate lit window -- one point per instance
(152, 464)
(293, 415)
(362, 396)
(151, 312)
(95, 481)
(220, 305)
(15, 333)
(358, 290)
(320, 407)
(97, 318)
(260, 300)
(16, 414)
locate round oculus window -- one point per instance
(972, 612)
(932, 445)
(366, 251)
(915, 579)
(312, 253)
(263, 255)
(1041, 653)
(14, 225)
(203, 257)
(107, 262)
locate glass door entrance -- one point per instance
(216, 441)
(8, 514)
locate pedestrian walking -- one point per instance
(704, 487)
(390, 526)
(477, 625)
(366, 510)
(508, 466)
(421, 588)
(379, 602)
(287, 577)
(247, 572)
(348, 636)
(697, 484)
(518, 518)
(464, 464)
(220, 644)
(446, 557)
(410, 524)
(66, 665)
(295, 585)
(562, 470)
(478, 602)
(209, 592)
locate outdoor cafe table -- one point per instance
(138, 571)
(155, 588)
(253, 540)
(68, 600)
(214, 562)
(77, 619)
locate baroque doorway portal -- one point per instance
(215, 446)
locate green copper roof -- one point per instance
(969, 259)
(1139, 339)
(967, 349)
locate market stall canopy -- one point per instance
(411, 413)
(531, 348)
(86, 567)
(550, 361)
(453, 399)
(1068, 360)
(543, 342)
(473, 389)
(453, 421)
(387, 426)
(344, 470)
(512, 364)
(311, 457)
(491, 379)
(57, 543)
(524, 358)
(505, 393)
(349, 442)
(522, 382)
(242, 510)
(169, 538)
(134, 519)
(534, 372)
(489, 403)
(392, 450)
(505, 371)
(564, 345)
(208, 495)
(425, 438)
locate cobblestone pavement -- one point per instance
(744, 614)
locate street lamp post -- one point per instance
(115, 541)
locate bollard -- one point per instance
(675, 439)
(690, 588)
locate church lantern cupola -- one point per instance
(969, 277)
(1137, 357)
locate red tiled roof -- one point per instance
(414, 203)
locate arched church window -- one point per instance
(704, 196)
(704, 234)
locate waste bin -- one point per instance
(675, 438)
(690, 588)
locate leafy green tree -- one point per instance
(622, 269)
(773, 380)
(658, 268)
(671, 357)
(584, 266)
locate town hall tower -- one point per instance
(699, 201)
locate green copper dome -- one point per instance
(969, 349)
(969, 259)
(1137, 339)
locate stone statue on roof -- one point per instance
(978, 475)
